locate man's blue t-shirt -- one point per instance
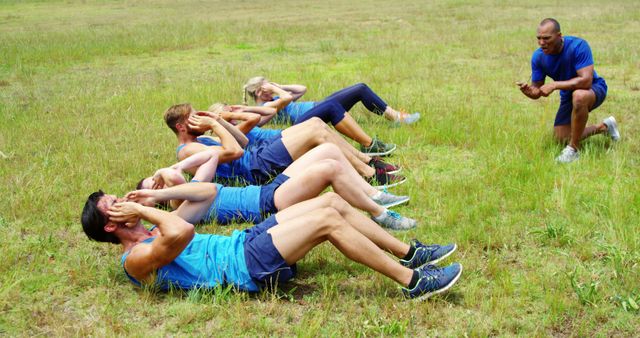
(575, 54)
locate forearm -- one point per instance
(248, 120)
(284, 98)
(296, 90)
(573, 84)
(194, 192)
(196, 160)
(231, 147)
(239, 137)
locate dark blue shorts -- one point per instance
(563, 116)
(264, 263)
(269, 161)
(267, 202)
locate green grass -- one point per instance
(547, 249)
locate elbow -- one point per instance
(235, 154)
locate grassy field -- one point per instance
(548, 249)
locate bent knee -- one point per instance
(582, 97)
(327, 219)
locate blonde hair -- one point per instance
(216, 107)
(251, 87)
(177, 114)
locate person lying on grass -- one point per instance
(314, 130)
(267, 93)
(172, 255)
(303, 180)
(257, 165)
(331, 111)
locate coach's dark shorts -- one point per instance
(563, 116)
(264, 263)
(269, 160)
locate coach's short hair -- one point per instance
(556, 24)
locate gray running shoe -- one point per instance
(378, 148)
(612, 128)
(568, 155)
(390, 200)
(394, 221)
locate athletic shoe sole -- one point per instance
(398, 202)
(382, 187)
(386, 153)
(447, 287)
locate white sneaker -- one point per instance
(612, 128)
(568, 155)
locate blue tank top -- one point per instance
(258, 136)
(235, 204)
(292, 112)
(207, 261)
(238, 170)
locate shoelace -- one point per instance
(393, 214)
(433, 273)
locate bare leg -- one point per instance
(350, 128)
(362, 223)
(312, 181)
(329, 151)
(583, 100)
(299, 138)
(295, 237)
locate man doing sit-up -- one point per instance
(173, 255)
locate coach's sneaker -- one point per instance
(378, 148)
(568, 155)
(612, 128)
(433, 280)
(376, 162)
(388, 200)
(394, 220)
(382, 180)
(408, 118)
(428, 254)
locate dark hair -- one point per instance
(556, 24)
(139, 185)
(93, 220)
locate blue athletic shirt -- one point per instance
(258, 136)
(207, 261)
(234, 203)
(237, 170)
(575, 55)
(294, 110)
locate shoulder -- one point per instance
(576, 42)
(136, 261)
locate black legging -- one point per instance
(329, 111)
(360, 92)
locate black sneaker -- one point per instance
(378, 148)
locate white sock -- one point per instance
(378, 194)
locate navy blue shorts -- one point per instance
(563, 116)
(267, 202)
(269, 161)
(264, 263)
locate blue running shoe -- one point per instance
(433, 280)
(428, 254)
